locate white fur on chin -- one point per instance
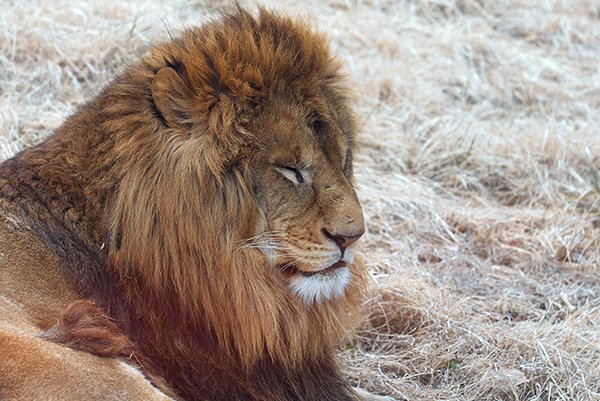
(321, 287)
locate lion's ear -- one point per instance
(172, 97)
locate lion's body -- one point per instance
(204, 202)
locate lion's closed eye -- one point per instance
(296, 176)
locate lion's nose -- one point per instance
(342, 241)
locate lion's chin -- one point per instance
(315, 288)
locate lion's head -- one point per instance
(220, 179)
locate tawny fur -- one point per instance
(84, 327)
(157, 197)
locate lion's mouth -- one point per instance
(294, 270)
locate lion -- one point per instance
(203, 203)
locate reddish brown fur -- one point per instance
(147, 192)
(85, 327)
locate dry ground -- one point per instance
(479, 173)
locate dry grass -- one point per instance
(479, 173)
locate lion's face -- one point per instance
(313, 217)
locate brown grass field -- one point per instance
(479, 173)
